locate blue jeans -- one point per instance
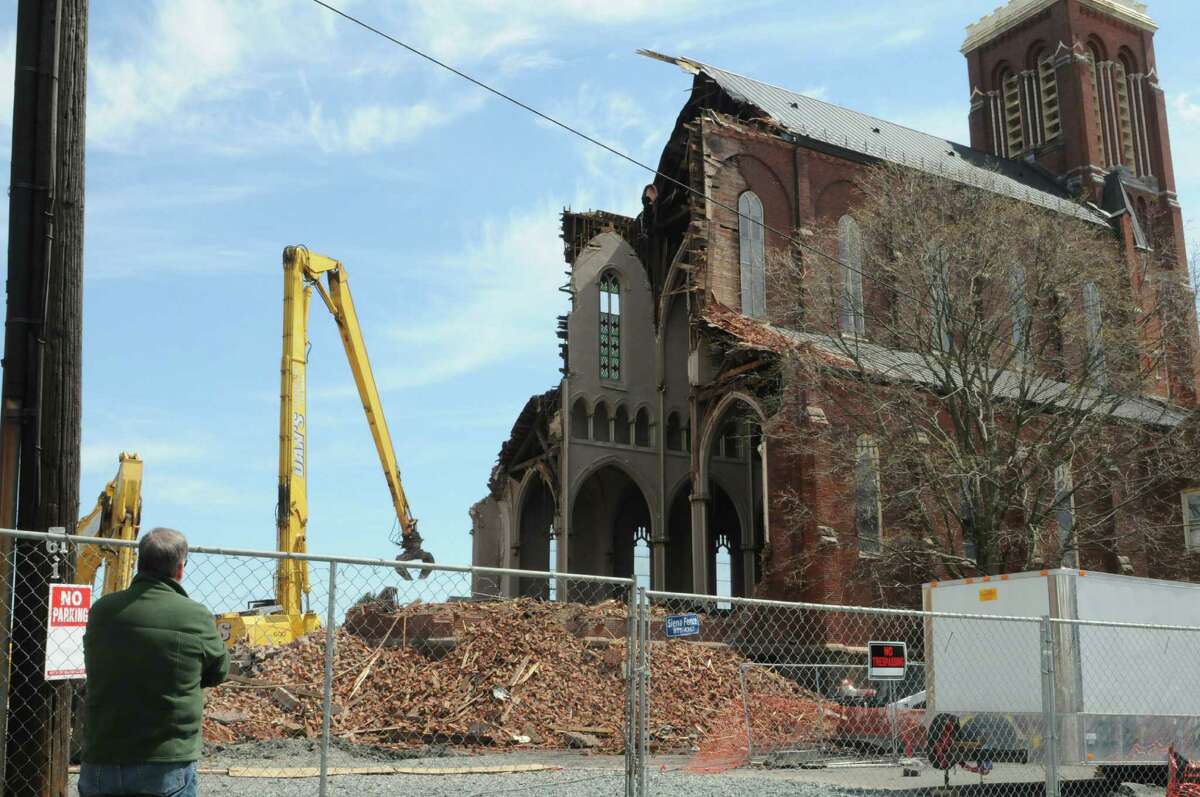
(151, 780)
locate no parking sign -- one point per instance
(65, 624)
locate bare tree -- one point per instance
(993, 376)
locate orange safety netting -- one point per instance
(1183, 778)
(777, 722)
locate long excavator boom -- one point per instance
(116, 516)
(288, 617)
(304, 271)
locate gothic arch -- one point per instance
(737, 159)
(739, 507)
(749, 503)
(610, 515)
(1128, 60)
(1034, 54)
(612, 460)
(622, 434)
(601, 415)
(536, 513)
(643, 426)
(678, 533)
(836, 199)
(1000, 73)
(592, 263)
(714, 418)
(580, 419)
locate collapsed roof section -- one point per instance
(530, 436)
(580, 227)
(858, 357)
(805, 118)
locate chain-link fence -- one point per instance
(790, 690)
(346, 667)
(1126, 694)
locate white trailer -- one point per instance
(1121, 694)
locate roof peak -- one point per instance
(847, 129)
(695, 67)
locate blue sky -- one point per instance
(221, 131)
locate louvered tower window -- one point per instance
(1014, 129)
(1027, 108)
(1048, 98)
(610, 327)
(1113, 111)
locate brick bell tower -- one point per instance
(1071, 85)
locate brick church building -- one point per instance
(653, 455)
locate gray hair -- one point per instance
(161, 552)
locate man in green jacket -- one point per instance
(149, 650)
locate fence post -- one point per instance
(631, 690)
(1049, 708)
(327, 697)
(643, 687)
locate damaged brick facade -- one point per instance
(650, 457)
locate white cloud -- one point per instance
(470, 31)
(199, 493)
(178, 64)
(101, 456)
(367, 128)
(492, 302)
(511, 273)
(904, 36)
(1187, 108)
(190, 46)
(619, 120)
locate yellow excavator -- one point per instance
(288, 617)
(117, 516)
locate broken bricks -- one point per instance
(560, 689)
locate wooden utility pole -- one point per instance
(40, 391)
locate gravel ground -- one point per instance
(567, 783)
(582, 775)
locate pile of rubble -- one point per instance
(521, 672)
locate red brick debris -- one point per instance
(512, 674)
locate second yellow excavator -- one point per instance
(288, 616)
(117, 515)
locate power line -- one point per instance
(941, 309)
(610, 149)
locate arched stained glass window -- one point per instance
(752, 253)
(610, 327)
(1095, 366)
(868, 512)
(854, 320)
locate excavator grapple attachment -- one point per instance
(413, 552)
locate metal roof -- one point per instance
(841, 127)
